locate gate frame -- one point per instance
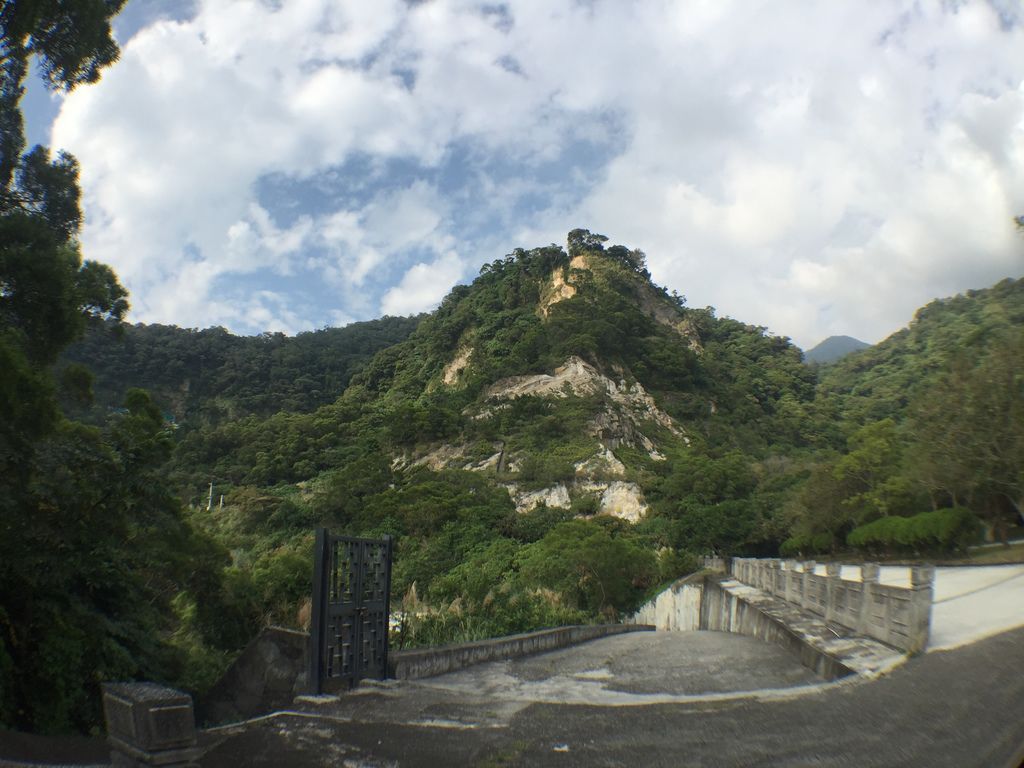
(323, 565)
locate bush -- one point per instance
(806, 544)
(942, 530)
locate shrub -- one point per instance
(941, 530)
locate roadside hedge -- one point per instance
(942, 530)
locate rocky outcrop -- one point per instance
(624, 500)
(265, 677)
(442, 457)
(603, 464)
(459, 363)
(557, 290)
(627, 407)
(616, 497)
(556, 496)
(574, 377)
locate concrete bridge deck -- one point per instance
(679, 699)
(611, 703)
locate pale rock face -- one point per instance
(624, 500)
(491, 462)
(619, 424)
(618, 498)
(578, 376)
(557, 291)
(579, 262)
(603, 463)
(453, 370)
(560, 288)
(440, 458)
(555, 496)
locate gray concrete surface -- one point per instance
(959, 708)
(415, 663)
(671, 664)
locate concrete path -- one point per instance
(960, 708)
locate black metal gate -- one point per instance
(351, 605)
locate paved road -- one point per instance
(960, 708)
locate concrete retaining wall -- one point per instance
(427, 662)
(676, 609)
(268, 674)
(897, 616)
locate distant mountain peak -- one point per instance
(833, 348)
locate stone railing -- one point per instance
(898, 616)
(712, 564)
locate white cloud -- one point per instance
(816, 168)
(423, 286)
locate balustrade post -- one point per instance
(869, 579)
(922, 581)
(805, 598)
(833, 575)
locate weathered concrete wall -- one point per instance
(268, 674)
(427, 662)
(897, 616)
(676, 609)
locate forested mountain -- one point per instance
(934, 419)
(553, 443)
(882, 381)
(557, 440)
(833, 348)
(563, 391)
(208, 376)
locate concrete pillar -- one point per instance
(922, 581)
(805, 597)
(833, 576)
(149, 725)
(922, 576)
(869, 579)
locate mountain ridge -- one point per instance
(833, 348)
(561, 436)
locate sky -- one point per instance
(813, 168)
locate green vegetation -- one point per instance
(95, 555)
(203, 378)
(942, 530)
(444, 431)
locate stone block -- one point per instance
(149, 724)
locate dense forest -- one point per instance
(209, 376)
(559, 439)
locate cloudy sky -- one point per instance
(814, 167)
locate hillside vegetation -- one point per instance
(834, 348)
(209, 376)
(553, 443)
